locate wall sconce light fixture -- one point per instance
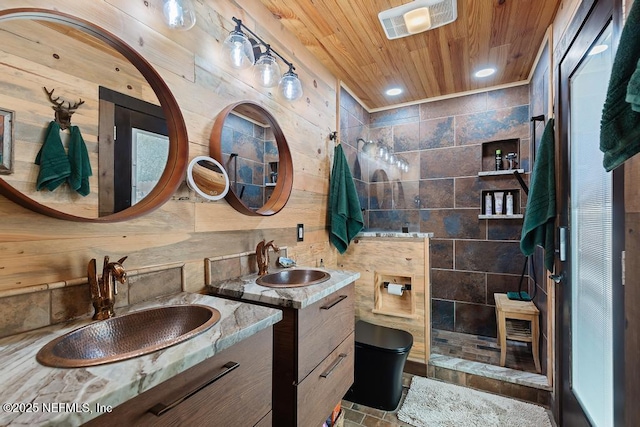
(377, 150)
(242, 53)
(266, 70)
(178, 14)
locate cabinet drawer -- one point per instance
(324, 387)
(241, 397)
(322, 327)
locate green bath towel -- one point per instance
(53, 160)
(80, 164)
(620, 124)
(539, 219)
(344, 205)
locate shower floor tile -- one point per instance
(481, 349)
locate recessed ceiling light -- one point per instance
(485, 72)
(394, 91)
(599, 48)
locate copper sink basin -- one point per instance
(293, 278)
(127, 336)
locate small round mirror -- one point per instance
(208, 178)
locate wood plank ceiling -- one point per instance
(347, 37)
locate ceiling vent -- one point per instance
(417, 16)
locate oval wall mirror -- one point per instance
(52, 59)
(208, 178)
(247, 140)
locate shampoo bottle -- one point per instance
(498, 160)
(499, 195)
(509, 204)
(488, 204)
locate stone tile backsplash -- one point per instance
(53, 303)
(226, 267)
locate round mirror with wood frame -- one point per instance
(178, 150)
(279, 180)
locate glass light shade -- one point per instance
(369, 148)
(178, 14)
(392, 159)
(240, 50)
(266, 71)
(290, 86)
(383, 152)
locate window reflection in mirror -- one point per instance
(149, 152)
(132, 166)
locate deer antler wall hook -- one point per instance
(63, 114)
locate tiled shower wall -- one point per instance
(256, 148)
(471, 259)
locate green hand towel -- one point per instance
(344, 205)
(633, 89)
(539, 220)
(80, 164)
(620, 124)
(53, 161)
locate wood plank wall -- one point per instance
(35, 249)
(381, 258)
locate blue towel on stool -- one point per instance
(540, 216)
(80, 164)
(344, 205)
(53, 160)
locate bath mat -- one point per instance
(431, 403)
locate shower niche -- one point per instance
(503, 180)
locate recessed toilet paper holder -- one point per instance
(405, 287)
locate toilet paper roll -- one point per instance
(395, 289)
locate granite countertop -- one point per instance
(382, 233)
(246, 289)
(27, 382)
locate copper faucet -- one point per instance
(104, 289)
(262, 256)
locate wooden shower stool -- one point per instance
(518, 321)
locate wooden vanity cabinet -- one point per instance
(240, 397)
(313, 359)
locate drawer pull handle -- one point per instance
(341, 357)
(161, 408)
(329, 306)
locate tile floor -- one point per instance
(360, 415)
(481, 349)
(454, 344)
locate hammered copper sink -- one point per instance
(128, 336)
(293, 278)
